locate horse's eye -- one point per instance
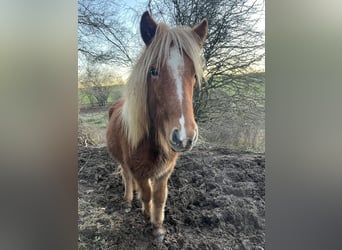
(154, 72)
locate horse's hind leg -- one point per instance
(145, 194)
(128, 181)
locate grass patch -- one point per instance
(115, 92)
(96, 119)
(93, 126)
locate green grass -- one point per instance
(115, 93)
(98, 119)
(93, 125)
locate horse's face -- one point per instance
(170, 101)
(170, 93)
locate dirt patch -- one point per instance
(216, 201)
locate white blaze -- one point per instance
(182, 134)
(176, 66)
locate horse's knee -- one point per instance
(126, 175)
(160, 191)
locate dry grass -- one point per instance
(234, 137)
(92, 128)
(92, 131)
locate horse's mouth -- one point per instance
(179, 148)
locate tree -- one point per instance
(233, 47)
(102, 34)
(94, 81)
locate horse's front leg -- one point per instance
(158, 203)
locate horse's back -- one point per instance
(110, 111)
(115, 109)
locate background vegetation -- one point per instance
(229, 106)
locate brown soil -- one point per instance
(216, 201)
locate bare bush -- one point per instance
(102, 34)
(233, 47)
(94, 81)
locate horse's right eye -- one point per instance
(154, 72)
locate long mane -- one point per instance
(134, 112)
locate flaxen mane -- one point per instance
(134, 112)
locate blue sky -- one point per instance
(130, 11)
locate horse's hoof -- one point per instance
(159, 234)
(127, 207)
(159, 239)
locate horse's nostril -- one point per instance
(175, 136)
(189, 143)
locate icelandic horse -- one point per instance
(154, 120)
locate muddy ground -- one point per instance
(216, 201)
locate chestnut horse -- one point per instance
(154, 121)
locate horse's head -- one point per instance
(174, 65)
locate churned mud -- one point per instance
(216, 201)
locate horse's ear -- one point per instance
(148, 28)
(201, 30)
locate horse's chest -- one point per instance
(151, 164)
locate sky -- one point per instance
(131, 10)
(139, 4)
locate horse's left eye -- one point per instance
(154, 72)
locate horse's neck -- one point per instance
(153, 136)
(158, 143)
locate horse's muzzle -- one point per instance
(179, 145)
